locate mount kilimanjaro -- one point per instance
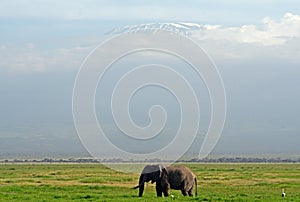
(179, 28)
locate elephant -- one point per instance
(170, 177)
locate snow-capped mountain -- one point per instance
(180, 28)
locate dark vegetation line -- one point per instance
(118, 160)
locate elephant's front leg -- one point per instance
(158, 189)
(191, 191)
(166, 192)
(184, 192)
(165, 188)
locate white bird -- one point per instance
(283, 194)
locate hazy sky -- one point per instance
(255, 45)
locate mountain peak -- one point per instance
(178, 27)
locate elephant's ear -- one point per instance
(162, 170)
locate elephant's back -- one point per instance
(181, 171)
(180, 174)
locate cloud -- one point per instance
(28, 58)
(288, 26)
(21, 58)
(269, 33)
(269, 40)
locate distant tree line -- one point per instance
(119, 160)
(244, 160)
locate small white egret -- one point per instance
(283, 194)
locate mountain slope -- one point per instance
(180, 27)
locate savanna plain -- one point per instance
(96, 182)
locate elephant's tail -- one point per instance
(135, 187)
(196, 186)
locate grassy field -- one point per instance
(94, 182)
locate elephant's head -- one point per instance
(150, 172)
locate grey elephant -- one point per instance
(170, 177)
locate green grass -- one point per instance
(94, 182)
